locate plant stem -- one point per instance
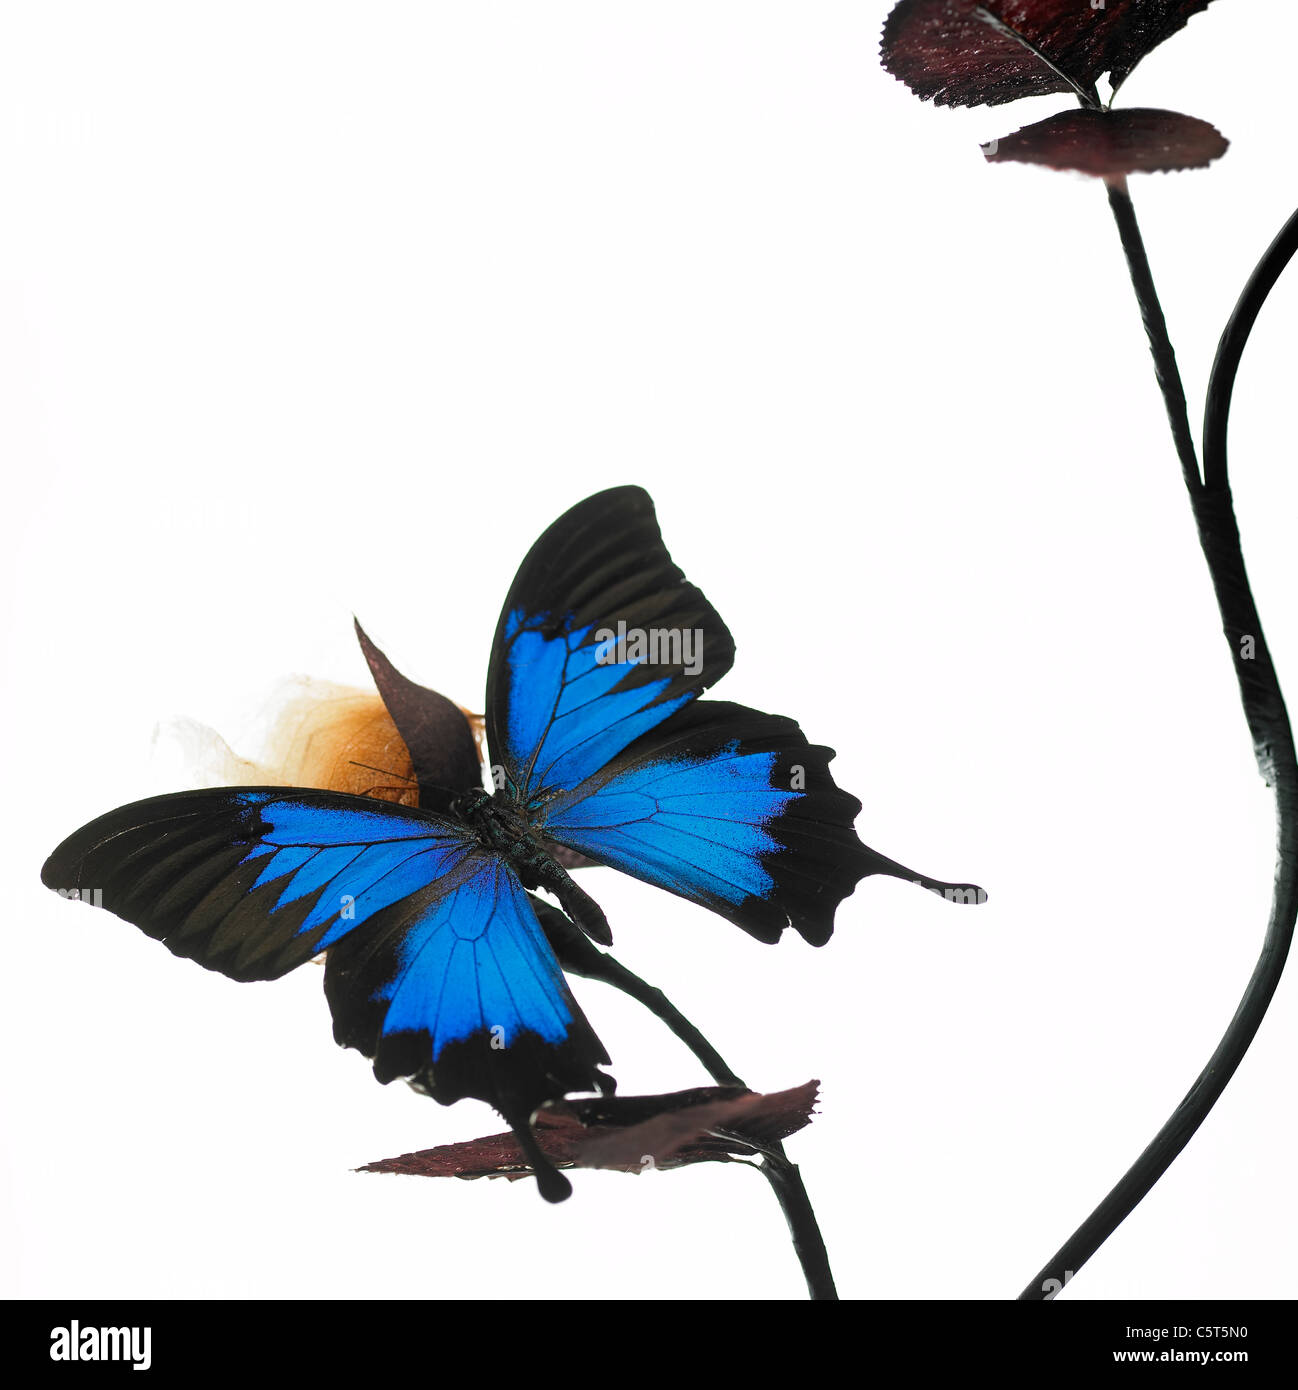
(1160, 345)
(775, 1166)
(1231, 348)
(1264, 709)
(580, 956)
(616, 974)
(786, 1182)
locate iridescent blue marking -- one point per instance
(322, 868)
(286, 861)
(299, 823)
(377, 880)
(566, 720)
(358, 861)
(694, 826)
(477, 960)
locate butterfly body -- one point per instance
(440, 965)
(501, 824)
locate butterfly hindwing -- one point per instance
(733, 809)
(468, 1002)
(600, 640)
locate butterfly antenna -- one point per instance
(449, 792)
(369, 767)
(383, 787)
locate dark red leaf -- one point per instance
(435, 730)
(627, 1133)
(1112, 143)
(966, 53)
(439, 736)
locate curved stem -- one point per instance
(1230, 349)
(578, 955)
(1264, 710)
(775, 1166)
(616, 974)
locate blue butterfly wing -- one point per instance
(470, 1001)
(615, 759)
(735, 810)
(437, 969)
(565, 696)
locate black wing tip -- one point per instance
(62, 869)
(54, 875)
(629, 499)
(962, 893)
(621, 492)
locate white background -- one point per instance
(308, 310)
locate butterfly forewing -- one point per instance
(438, 969)
(600, 640)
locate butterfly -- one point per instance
(440, 965)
